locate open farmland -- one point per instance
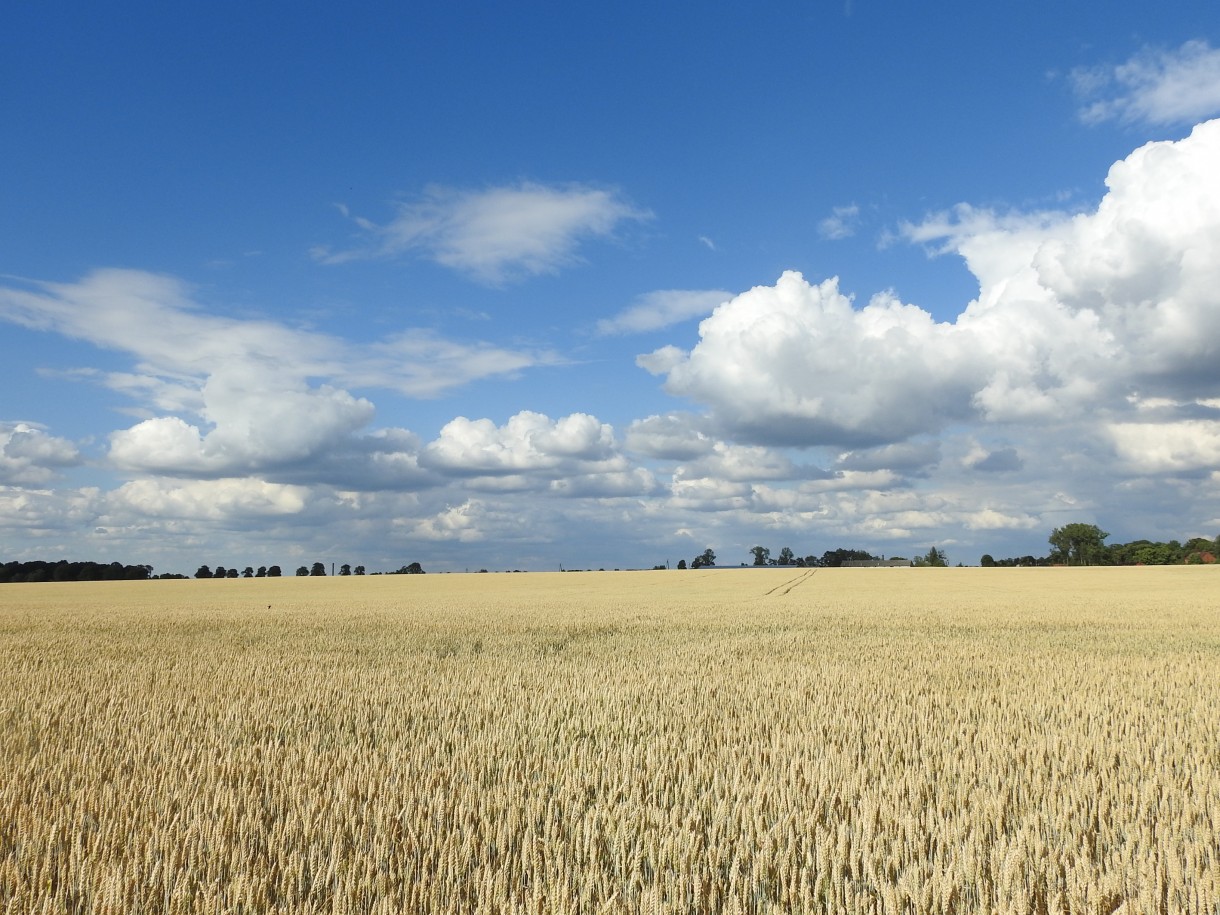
(956, 740)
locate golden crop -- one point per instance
(924, 741)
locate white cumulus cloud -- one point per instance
(796, 363)
(210, 500)
(1174, 447)
(1076, 314)
(674, 436)
(29, 455)
(258, 423)
(528, 443)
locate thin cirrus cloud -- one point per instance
(841, 223)
(494, 235)
(663, 308)
(1156, 86)
(177, 345)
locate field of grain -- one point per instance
(915, 740)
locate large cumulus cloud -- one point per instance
(1078, 315)
(797, 363)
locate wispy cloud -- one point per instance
(226, 396)
(663, 308)
(841, 223)
(1156, 86)
(494, 235)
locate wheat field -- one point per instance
(786, 740)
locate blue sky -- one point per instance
(482, 286)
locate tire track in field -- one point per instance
(792, 583)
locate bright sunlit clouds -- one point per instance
(631, 391)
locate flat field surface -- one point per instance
(786, 740)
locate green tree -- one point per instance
(302, 572)
(681, 563)
(988, 561)
(318, 570)
(1078, 544)
(345, 569)
(936, 558)
(1156, 554)
(274, 572)
(203, 572)
(762, 555)
(248, 572)
(706, 558)
(833, 559)
(787, 557)
(359, 570)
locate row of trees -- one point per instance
(248, 572)
(63, 570)
(40, 570)
(317, 570)
(831, 559)
(1080, 544)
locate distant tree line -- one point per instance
(247, 572)
(831, 559)
(1080, 544)
(63, 570)
(317, 570)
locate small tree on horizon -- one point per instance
(934, 558)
